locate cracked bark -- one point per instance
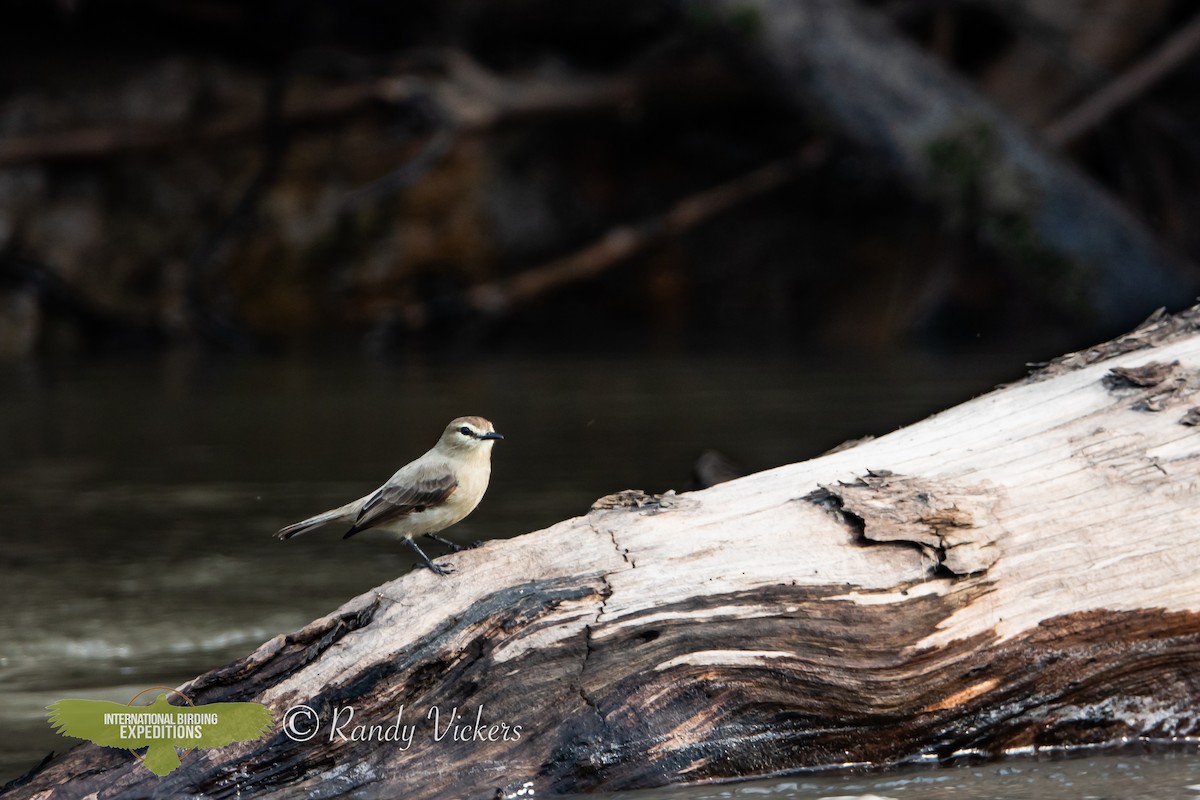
(605, 593)
(1011, 574)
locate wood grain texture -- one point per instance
(1017, 572)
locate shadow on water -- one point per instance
(138, 499)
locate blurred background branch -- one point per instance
(281, 174)
(1171, 54)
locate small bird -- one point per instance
(426, 495)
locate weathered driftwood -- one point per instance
(1069, 239)
(1018, 572)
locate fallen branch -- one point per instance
(109, 141)
(1069, 241)
(620, 244)
(1131, 84)
(474, 99)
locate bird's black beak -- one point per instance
(491, 435)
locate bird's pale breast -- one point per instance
(472, 483)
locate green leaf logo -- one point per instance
(161, 727)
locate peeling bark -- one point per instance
(954, 526)
(1012, 574)
(1158, 329)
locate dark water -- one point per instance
(137, 500)
(1161, 776)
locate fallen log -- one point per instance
(1012, 574)
(1063, 236)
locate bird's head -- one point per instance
(469, 434)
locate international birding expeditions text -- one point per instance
(179, 725)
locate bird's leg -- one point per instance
(432, 566)
(454, 546)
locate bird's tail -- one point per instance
(346, 513)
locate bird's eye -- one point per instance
(465, 431)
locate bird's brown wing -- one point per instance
(395, 500)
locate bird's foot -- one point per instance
(454, 546)
(427, 562)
